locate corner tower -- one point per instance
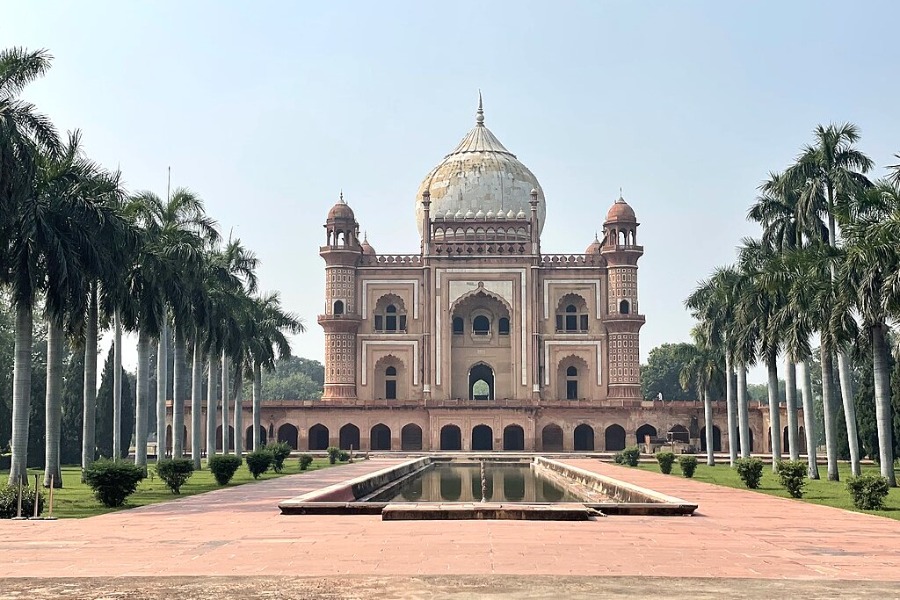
(341, 252)
(623, 320)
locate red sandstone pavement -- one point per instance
(240, 532)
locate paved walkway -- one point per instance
(239, 532)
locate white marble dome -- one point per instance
(478, 176)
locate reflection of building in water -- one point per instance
(481, 340)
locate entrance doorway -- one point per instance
(482, 438)
(481, 382)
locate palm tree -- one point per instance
(24, 135)
(704, 368)
(871, 261)
(829, 174)
(712, 304)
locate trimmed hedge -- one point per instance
(223, 467)
(688, 465)
(792, 474)
(665, 460)
(305, 461)
(113, 480)
(750, 471)
(9, 501)
(333, 454)
(280, 451)
(175, 472)
(259, 462)
(868, 491)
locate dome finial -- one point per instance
(479, 118)
(621, 198)
(341, 198)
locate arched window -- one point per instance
(571, 383)
(481, 325)
(503, 326)
(572, 315)
(624, 307)
(390, 383)
(458, 327)
(390, 318)
(571, 318)
(338, 307)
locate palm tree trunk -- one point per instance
(774, 409)
(846, 380)
(790, 397)
(53, 404)
(708, 418)
(743, 411)
(178, 388)
(21, 395)
(162, 376)
(142, 401)
(89, 422)
(880, 353)
(196, 403)
(730, 407)
(238, 413)
(211, 404)
(117, 389)
(809, 419)
(830, 412)
(225, 399)
(257, 404)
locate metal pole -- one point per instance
(19, 510)
(50, 514)
(36, 484)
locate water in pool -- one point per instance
(461, 482)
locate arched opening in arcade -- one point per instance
(513, 438)
(679, 433)
(318, 437)
(380, 437)
(411, 437)
(717, 439)
(219, 438)
(288, 433)
(482, 438)
(249, 437)
(349, 437)
(184, 441)
(481, 382)
(451, 438)
(749, 441)
(614, 437)
(584, 438)
(644, 431)
(552, 438)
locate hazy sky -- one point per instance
(269, 109)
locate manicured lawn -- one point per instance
(822, 491)
(76, 499)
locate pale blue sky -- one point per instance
(268, 109)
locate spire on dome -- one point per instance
(341, 197)
(479, 116)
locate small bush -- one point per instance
(665, 460)
(792, 474)
(305, 461)
(631, 455)
(343, 456)
(175, 472)
(113, 480)
(280, 451)
(868, 491)
(618, 458)
(750, 471)
(259, 462)
(333, 453)
(688, 465)
(9, 501)
(223, 467)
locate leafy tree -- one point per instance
(72, 410)
(662, 371)
(105, 409)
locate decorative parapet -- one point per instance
(572, 260)
(403, 260)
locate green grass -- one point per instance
(822, 491)
(76, 500)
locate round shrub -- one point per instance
(305, 461)
(343, 456)
(175, 472)
(113, 480)
(333, 454)
(665, 460)
(259, 462)
(868, 491)
(750, 471)
(792, 474)
(631, 455)
(9, 501)
(688, 465)
(280, 451)
(223, 467)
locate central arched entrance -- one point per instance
(318, 437)
(349, 437)
(451, 438)
(411, 437)
(482, 438)
(481, 382)
(288, 433)
(513, 438)
(584, 438)
(552, 438)
(380, 437)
